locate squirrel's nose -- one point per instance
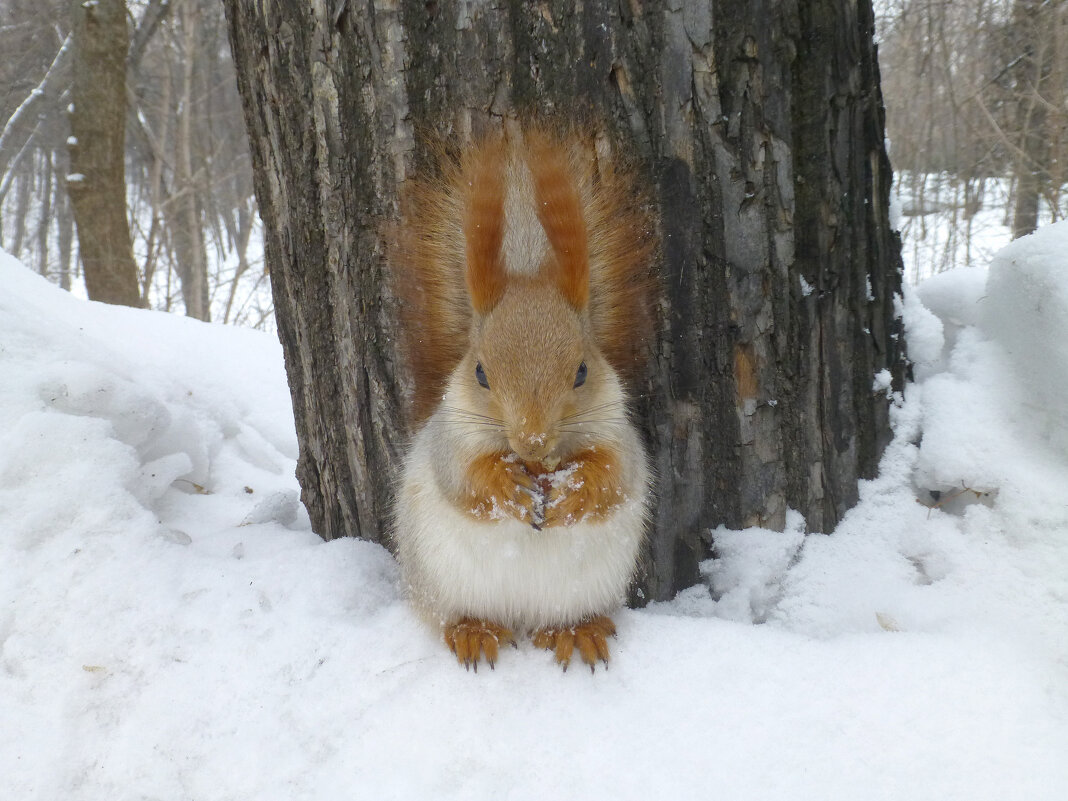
(531, 446)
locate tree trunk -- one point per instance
(23, 185)
(183, 218)
(44, 223)
(64, 221)
(760, 128)
(97, 180)
(1028, 31)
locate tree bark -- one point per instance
(44, 224)
(320, 98)
(65, 225)
(183, 212)
(760, 129)
(1028, 28)
(97, 181)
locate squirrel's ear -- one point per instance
(560, 213)
(483, 174)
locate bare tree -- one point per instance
(977, 94)
(193, 160)
(1035, 39)
(97, 182)
(189, 197)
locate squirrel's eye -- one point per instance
(580, 376)
(480, 375)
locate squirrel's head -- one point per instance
(533, 367)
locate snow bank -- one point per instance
(1026, 312)
(171, 628)
(926, 334)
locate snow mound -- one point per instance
(170, 627)
(924, 334)
(937, 311)
(955, 296)
(1026, 312)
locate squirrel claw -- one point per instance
(590, 637)
(470, 638)
(531, 501)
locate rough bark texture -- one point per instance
(97, 181)
(323, 101)
(760, 128)
(183, 212)
(1029, 167)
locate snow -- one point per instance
(171, 628)
(1026, 312)
(926, 332)
(882, 382)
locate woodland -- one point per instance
(127, 174)
(854, 577)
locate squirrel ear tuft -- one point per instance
(560, 213)
(484, 175)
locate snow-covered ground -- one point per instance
(170, 627)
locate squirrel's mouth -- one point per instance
(534, 448)
(541, 466)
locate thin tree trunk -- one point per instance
(1027, 24)
(44, 223)
(759, 126)
(187, 233)
(64, 221)
(23, 185)
(154, 144)
(1025, 200)
(97, 183)
(239, 231)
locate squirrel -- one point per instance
(523, 272)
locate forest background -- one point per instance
(977, 123)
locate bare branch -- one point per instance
(52, 79)
(154, 15)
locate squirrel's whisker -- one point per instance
(466, 425)
(465, 413)
(599, 407)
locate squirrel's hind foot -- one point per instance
(469, 638)
(590, 637)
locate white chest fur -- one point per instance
(506, 571)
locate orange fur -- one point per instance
(484, 227)
(591, 492)
(498, 485)
(445, 252)
(427, 260)
(622, 248)
(560, 213)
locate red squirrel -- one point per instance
(523, 273)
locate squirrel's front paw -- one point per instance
(470, 637)
(499, 487)
(588, 487)
(591, 639)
